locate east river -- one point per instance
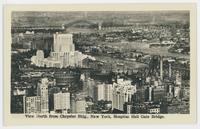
(139, 47)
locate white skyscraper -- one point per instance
(42, 91)
(118, 100)
(101, 93)
(63, 43)
(108, 92)
(105, 92)
(62, 102)
(122, 92)
(62, 55)
(150, 93)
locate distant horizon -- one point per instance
(62, 17)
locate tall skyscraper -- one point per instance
(42, 91)
(62, 102)
(161, 67)
(108, 92)
(73, 103)
(90, 87)
(122, 92)
(101, 92)
(118, 100)
(62, 55)
(63, 43)
(170, 61)
(149, 93)
(32, 104)
(105, 92)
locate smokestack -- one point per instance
(170, 70)
(161, 68)
(99, 26)
(150, 93)
(170, 89)
(170, 67)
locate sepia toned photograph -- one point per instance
(92, 64)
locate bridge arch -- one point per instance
(92, 24)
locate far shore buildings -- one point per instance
(62, 55)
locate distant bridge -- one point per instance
(83, 21)
(55, 28)
(23, 29)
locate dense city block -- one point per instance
(100, 63)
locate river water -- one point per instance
(144, 47)
(140, 47)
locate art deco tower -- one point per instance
(42, 91)
(63, 43)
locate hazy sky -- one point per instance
(58, 18)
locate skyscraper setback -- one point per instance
(39, 103)
(63, 43)
(62, 55)
(97, 65)
(44, 96)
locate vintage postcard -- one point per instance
(99, 64)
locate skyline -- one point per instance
(59, 18)
(81, 53)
